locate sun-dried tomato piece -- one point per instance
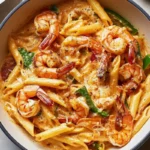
(7, 67)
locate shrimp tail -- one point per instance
(44, 98)
(47, 41)
(65, 69)
(44, 43)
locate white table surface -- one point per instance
(5, 143)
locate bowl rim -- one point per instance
(18, 6)
(140, 8)
(4, 21)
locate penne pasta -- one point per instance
(134, 102)
(99, 10)
(12, 88)
(52, 132)
(12, 100)
(142, 120)
(145, 99)
(114, 74)
(70, 140)
(72, 27)
(85, 136)
(45, 120)
(25, 123)
(89, 29)
(13, 75)
(87, 68)
(47, 112)
(53, 83)
(76, 74)
(51, 118)
(76, 130)
(14, 51)
(57, 99)
(57, 144)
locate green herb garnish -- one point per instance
(83, 91)
(54, 8)
(122, 21)
(74, 81)
(146, 61)
(27, 57)
(39, 113)
(126, 104)
(70, 77)
(139, 50)
(96, 146)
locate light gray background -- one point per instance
(5, 143)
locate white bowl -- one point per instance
(18, 17)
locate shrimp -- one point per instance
(83, 41)
(80, 107)
(81, 110)
(29, 107)
(47, 65)
(120, 125)
(131, 75)
(116, 39)
(47, 24)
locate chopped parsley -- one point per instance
(27, 57)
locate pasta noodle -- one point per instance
(71, 141)
(76, 74)
(29, 127)
(14, 51)
(52, 132)
(144, 117)
(47, 82)
(100, 11)
(114, 74)
(89, 29)
(73, 78)
(146, 96)
(56, 98)
(12, 88)
(135, 100)
(72, 27)
(12, 75)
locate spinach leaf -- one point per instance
(54, 8)
(83, 91)
(146, 61)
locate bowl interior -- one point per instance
(25, 13)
